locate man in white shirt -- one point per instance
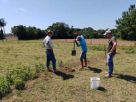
(47, 42)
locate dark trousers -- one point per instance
(50, 57)
(83, 55)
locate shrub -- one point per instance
(33, 74)
(4, 87)
(39, 67)
(23, 73)
(19, 84)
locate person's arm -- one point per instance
(49, 45)
(114, 45)
(77, 40)
(77, 44)
(43, 42)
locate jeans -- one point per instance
(110, 63)
(83, 55)
(50, 57)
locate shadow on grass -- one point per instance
(102, 89)
(95, 70)
(64, 75)
(126, 77)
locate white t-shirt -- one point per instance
(48, 42)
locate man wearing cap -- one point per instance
(82, 43)
(111, 51)
(47, 42)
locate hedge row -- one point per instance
(18, 77)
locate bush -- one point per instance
(33, 74)
(19, 84)
(23, 73)
(39, 67)
(4, 87)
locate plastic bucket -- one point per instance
(94, 82)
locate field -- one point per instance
(70, 84)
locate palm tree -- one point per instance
(2, 28)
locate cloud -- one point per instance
(22, 10)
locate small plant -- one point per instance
(19, 84)
(39, 67)
(4, 87)
(23, 73)
(34, 74)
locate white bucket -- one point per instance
(94, 82)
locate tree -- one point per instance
(61, 30)
(2, 28)
(126, 26)
(27, 33)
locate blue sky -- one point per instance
(99, 14)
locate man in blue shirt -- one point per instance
(82, 43)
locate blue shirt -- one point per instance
(82, 42)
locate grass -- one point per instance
(69, 86)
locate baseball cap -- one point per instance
(49, 32)
(107, 32)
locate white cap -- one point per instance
(107, 32)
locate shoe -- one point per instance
(54, 71)
(81, 69)
(108, 76)
(48, 70)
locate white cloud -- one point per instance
(22, 10)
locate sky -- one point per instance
(98, 14)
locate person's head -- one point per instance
(78, 32)
(108, 34)
(50, 33)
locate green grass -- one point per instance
(68, 86)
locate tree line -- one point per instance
(61, 31)
(125, 29)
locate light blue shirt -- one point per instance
(82, 42)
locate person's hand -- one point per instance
(109, 53)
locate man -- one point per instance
(47, 42)
(82, 43)
(111, 51)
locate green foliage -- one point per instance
(19, 84)
(4, 87)
(39, 67)
(61, 30)
(126, 25)
(129, 50)
(27, 33)
(2, 22)
(24, 73)
(33, 74)
(21, 73)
